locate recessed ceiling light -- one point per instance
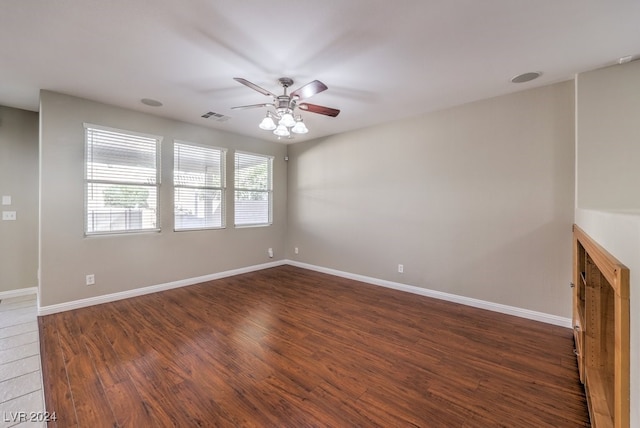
(151, 103)
(526, 77)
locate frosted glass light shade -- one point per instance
(281, 131)
(299, 128)
(287, 120)
(267, 124)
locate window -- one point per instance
(122, 179)
(253, 189)
(199, 182)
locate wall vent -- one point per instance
(216, 116)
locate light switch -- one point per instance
(8, 215)
(6, 200)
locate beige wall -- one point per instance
(476, 200)
(607, 159)
(608, 103)
(125, 262)
(19, 179)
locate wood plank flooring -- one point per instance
(288, 347)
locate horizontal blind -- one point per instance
(121, 181)
(253, 189)
(199, 184)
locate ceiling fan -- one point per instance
(284, 106)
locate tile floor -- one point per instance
(21, 393)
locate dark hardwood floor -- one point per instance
(288, 347)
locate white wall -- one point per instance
(130, 261)
(607, 159)
(475, 201)
(19, 179)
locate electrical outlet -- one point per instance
(91, 279)
(400, 268)
(8, 215)
(295, 250)
(270, 252)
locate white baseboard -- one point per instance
(476, 303)
(77, 304)
(18, 293)
(496, 307)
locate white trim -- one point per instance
(261, 155)
(222, 156)
(476, 303)
(268, 191)
(18, 292)
(88, 135)
(88, 126)
(97, 300)
(468, 301)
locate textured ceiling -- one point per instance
(381, 60)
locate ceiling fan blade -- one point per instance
(252, 106)
(309, 90)
(254, 87)
(313, 108)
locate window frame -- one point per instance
(88, 127)
(222, 188)
(268, 191)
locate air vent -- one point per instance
(216, 116)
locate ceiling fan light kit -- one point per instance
(287, 120)
(282, 120)
(281, 131)
(299, 127)
(267, 123)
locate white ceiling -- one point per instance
(382, 60)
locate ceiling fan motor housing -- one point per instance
(285, 82)
(284, 102)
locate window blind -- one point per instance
(199, 186)
(253, 189)
(121, 182)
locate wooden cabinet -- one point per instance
(601, 330)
